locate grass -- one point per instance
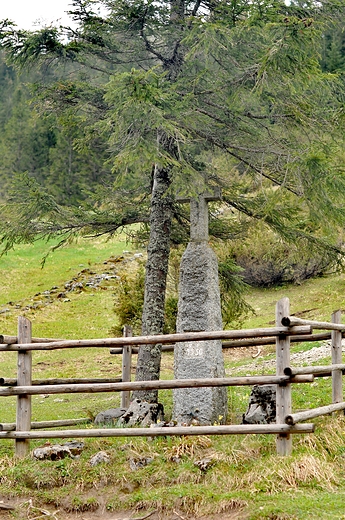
(315, 299)
(24, 282)
(246, 478)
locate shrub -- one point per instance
(129, 300)
(266, 260)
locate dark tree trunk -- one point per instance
(149, 357)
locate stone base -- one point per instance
(141, 413)
(200, 406)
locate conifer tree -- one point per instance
(184, 93)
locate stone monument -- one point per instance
(199, 309)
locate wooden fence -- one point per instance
(287, 329)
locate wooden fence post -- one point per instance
(126, 367)
(284, 440)
(24, 378)
(337, 375)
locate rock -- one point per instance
(59, 451)
(204, 464)
(163, 424)
(136, 464)
(110, 416)
(142, 413)
(76, 447)
(262, 405)
(99, 458)
(6, 507)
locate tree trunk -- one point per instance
(149, 357)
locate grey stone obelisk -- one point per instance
(199, 309)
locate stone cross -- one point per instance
(199, 213)
(199, 309)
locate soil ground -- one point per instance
(25, 511)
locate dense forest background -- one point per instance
(45, 145)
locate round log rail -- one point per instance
(240, 343)
(315, 370)
(10, 340)
(159, 338)
(62, 381)
(294, 418)
(253, 342)
(292, 321)
(156, 432)
(9, 427)
(145, 385)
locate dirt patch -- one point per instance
(124, 515)
(27, 511)
(307, 357)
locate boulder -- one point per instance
(142, 413)
(110, 416)
(262, 405)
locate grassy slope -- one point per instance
(246, 475)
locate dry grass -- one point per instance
(188, 447)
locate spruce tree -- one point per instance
(184, 93)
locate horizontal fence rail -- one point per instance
(154, 385)
(241, 343)
(291, 321)
(244, 429)
(62, 381)
(295, 418)
(40, 425)
(288, 329)
(226, 344)
(157, 339)
(315, 370)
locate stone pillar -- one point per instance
(199, 309)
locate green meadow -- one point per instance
(245, 479)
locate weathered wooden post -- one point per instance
(337, 375)
(284, 440)
(126, 367)
(24, 378)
